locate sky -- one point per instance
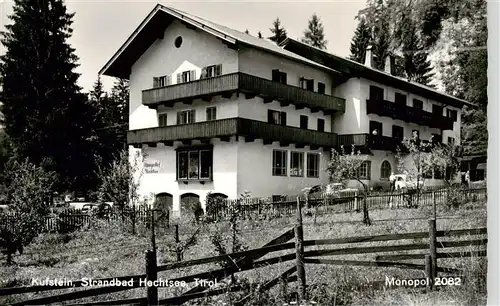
(101, 27)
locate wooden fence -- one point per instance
(434, 244)
(258, 208)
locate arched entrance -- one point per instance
(191, 206)
(163, 206)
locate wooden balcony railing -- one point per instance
(251, 129)
(369, 141)
(241, 82)
(408, 114)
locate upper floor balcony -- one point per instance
(406, 113)
(249, 85)
(369, 141)
(225, 128)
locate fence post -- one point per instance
(434, 204)
(151, 275)
(433, 246)
(153, 234)
(299, 251)
(428, 273)
(177, 241)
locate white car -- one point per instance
(402, 182)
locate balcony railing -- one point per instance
(241, 82)
(369, 141)
(408, 114)
(251, 129)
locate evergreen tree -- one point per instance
(279, 32)
(360, 42)
(314, 34)
(45, 115)
(120, 96)
(260, 35)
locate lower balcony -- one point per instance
(369, 141)
(225, 128)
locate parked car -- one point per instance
(338, 190)
(101, 208)
(403, 182)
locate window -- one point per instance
(312, 165)
(279, 163)
(162, 119)
(161, 81)
(278, 198)
(375, 128)
(451, 140)
(437, 110)
(364, 170)
(415, 134)
(376, 93)
(186, 117)
(211, 113)
(296, 164)
(186, 76)
(452, 114)
(276, 117)
(304, 122)
(397, 132)
(400, 99)
(211, 71)
(279, 76)
(438, 173)
(194, 164)
(418, 104)
(321, 125)
(436, 138)
(385, 170)
(321, 88)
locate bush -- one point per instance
(455, 197)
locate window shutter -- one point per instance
(276, 75)
(155, 82)
(203, 73)
(283, 77)
(283, 118)
(179, 78)
(270, 116)
(192, 75)
(310, 85)
(218, 70)
(192, 114)
(168, 80)
(178, 118)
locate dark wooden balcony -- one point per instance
(249, 85)
(406, 113)
(224, 128)
(369, 141)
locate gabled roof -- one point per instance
(352, 68)
(154, 25)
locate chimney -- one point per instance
(369, 57)
(389, 64)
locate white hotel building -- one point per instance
(220, 111)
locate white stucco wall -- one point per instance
(198, 50)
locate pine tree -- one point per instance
(279, 32)
(314, 34)
(45, 115)
(120, 96)
(360, 42)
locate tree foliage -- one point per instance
(314, 34)
(278, 31)
(360, 41)
(45, 116)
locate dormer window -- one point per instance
(186, 76)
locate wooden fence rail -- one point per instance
(252, 259)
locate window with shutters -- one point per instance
(321, 125)
(162, 119)
(376, 128)
(279, 76)
(307, 84)
(296, 163)
(161, 81)
(376, 93)
(400, 99)
(279, 163)
(276, 117)
(437, 138)
(415, 134)
(211, 113)
(186, 76)
(437, 109)
(186, 117)
(451, 140)
(321, 88)
(385, 170)
(397, 132)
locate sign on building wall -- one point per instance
(152, 167)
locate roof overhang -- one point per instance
(352, 68)
(150, 29)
